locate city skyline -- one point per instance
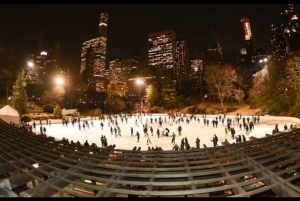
(129, 26)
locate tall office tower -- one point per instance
(278, 42)
(197, 75)
(40, 42)
(96, 48)
(118, 78)
(292, 30)
(54, 54)
(285, 36)
(243, 55)
(182, 62)
(31, 68)
(213, 55)
(287, 13)
(248, 57)
(161, 50)
(41, 61)
(53, 65)
(136, 57)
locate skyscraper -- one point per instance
(278, 41)
(93, 57)
(118, 78)
(246, 56)
(53, 64)
(40, 42)
(285, 38)
(161, 51)
(182, 62)
(136, 57)
(213, 55)
(196, 76)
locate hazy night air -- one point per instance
(129, 26)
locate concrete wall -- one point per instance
(69, 111)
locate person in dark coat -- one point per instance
(86, 143)
(216, 139)
(138, 136)
(182, 144)
(102, 141)
(131, 130)
(197, 143)
(185, 140)
(244, 138)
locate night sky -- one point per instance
(130, 24)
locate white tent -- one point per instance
(9, 114)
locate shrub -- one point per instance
(231, 108)
(75, 114)
(25, 119)
(48, 108)
(57, 112)
(195, 110)
(156, 109)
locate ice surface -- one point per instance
(190, 130)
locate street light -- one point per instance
(29, 76)
(30, 64)
(139, 82)
(59, 80)
(8, 99)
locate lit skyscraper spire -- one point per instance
(247, 58)
(247, 28)
(93, 57)
(103, 24)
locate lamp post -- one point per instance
(30, 64)
(59, 81)
(7, 91)
(139, 82)
(29, 77)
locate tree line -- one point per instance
(275, 89)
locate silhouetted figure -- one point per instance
(86, 143)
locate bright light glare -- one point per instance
(59, 81)
(30, 64)
(265, 59)
(140, 82)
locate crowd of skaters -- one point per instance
(162, 125)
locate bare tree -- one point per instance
(239, 95)
(220, 80)
(259, 77)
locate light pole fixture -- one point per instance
(30, 64)
(59, 80)
(139, 83)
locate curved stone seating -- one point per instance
(39, 166)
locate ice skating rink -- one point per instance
(190, 130)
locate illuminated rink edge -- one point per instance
(191, 131)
